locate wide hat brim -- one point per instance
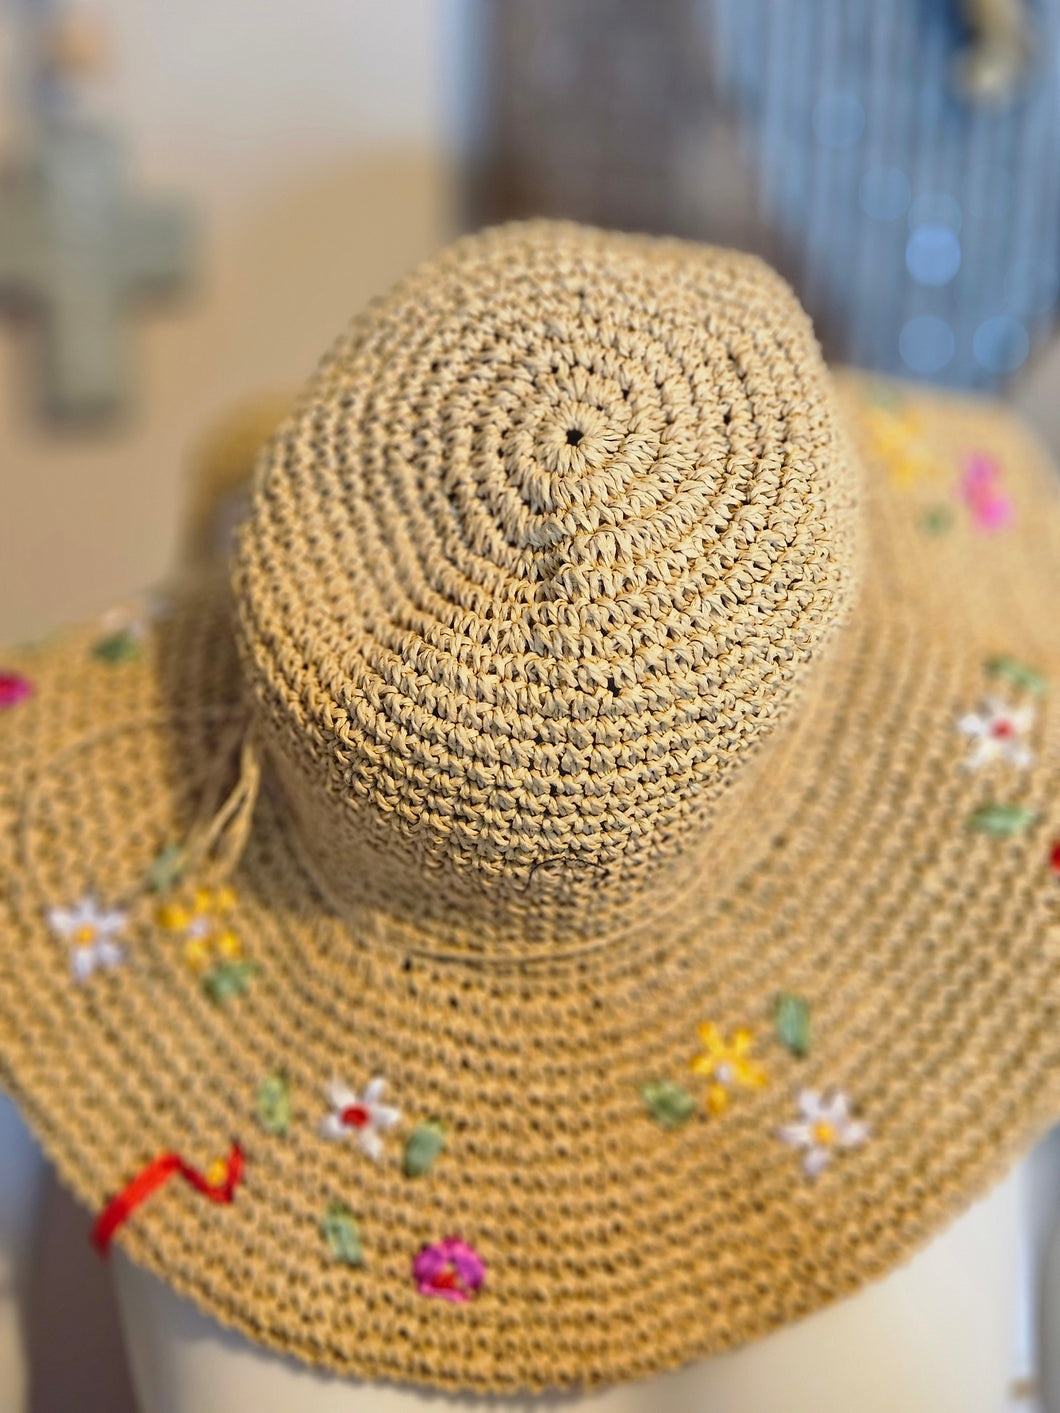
(910, 901)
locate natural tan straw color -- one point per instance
(597, 697)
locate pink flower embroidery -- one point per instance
(999, 732)
(991, 508)
(14, 688)
(450, 1269)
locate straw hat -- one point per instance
(591, 873)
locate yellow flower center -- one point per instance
(824, 1133)
(217, 1172)
(85, 935)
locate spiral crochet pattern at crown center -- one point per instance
(547, 547)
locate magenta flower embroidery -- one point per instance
(450, 1269)
(14, 688)
(991, 508)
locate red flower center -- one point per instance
(445, 1280)
(1054, 857)
(355, 1116)
(1003, 729)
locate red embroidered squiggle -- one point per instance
(151, 1178)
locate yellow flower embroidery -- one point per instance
(207, 937)
(896, 434)
(729, 1066)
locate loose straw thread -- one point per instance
(221, 841)
(216, 842)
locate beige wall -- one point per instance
(310, 139)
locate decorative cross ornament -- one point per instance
(76, 247)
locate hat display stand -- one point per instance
(936, 1336)
(21, 1190)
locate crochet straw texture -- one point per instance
(570, 744)
(546, 552)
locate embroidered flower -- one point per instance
(998, 731)
(14, 688)
(896, 433)
(123, 633)
(824, 1126)
(125, 627)
(729, 1065)
(211, 948)
(91, 931)
(364, 1114)
(450, 1269)
(991, 509)
(207, 937)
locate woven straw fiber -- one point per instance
(568, 746)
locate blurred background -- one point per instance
(195, 198)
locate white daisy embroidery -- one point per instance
(999, 732)
(91, 931)
(125, 619)
(364, 1114)
(824, 1126)
(136, 616)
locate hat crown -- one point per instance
(541, 557)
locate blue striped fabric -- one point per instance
(923, 231)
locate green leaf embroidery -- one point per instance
(937, 520)
(425, 1142)
(274, 1104)
(122, 646)
(166, 869)
(792, 1020)
(1002, 821)
(228, 979)
(341, 1234)
(669, 1103)
(1018, 674)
